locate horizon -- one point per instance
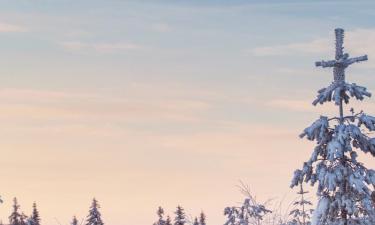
(145, 103)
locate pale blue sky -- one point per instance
(148, 103)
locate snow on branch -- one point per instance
(368, 121)
(338, 91)
(249, 213)
(318, 130)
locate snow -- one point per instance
(250, 212)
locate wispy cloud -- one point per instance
(315, 46)
(78, 46)
(131, 107)
(11, 28)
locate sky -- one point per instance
(163, 103)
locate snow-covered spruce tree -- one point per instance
(180, 218)
(94, 217)
(15, 218)
(301, 215)
(160, 213)
(202, 219)
(249, 213)
(74, 221)
(34, 218)
(344, 185)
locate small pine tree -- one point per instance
(202, 219)
(15, 218)
(94, 217)
(74, 221)
(196, 221)
(301, 215)
(168, 221)
(180, 218)
(24, 219)
(35, 218)
(160, 213)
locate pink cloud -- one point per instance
(78, 46)
(11, 28)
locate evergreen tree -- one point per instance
(25, 220)
(300, 214)
(74, 221)
(94, 217)
(202, 219)
(35, 218)
(168, 221)
(180, 218)
(344, 184)
(160, 213)
(15, 218)
(196, 221)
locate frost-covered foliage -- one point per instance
(94, 217)
(249, 213)
(341, 91)
(301, 214)
(344, 184)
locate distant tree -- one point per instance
(94, 217)
(160, 213)
(15, 218)
(74, 221)
(196, 221)
(300, 214)
(202, 219)
(35, 218)
(180, 218)
(168, 221)
(25, 220)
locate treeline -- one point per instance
(180, 218)
(250, 212)
(20, 218)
